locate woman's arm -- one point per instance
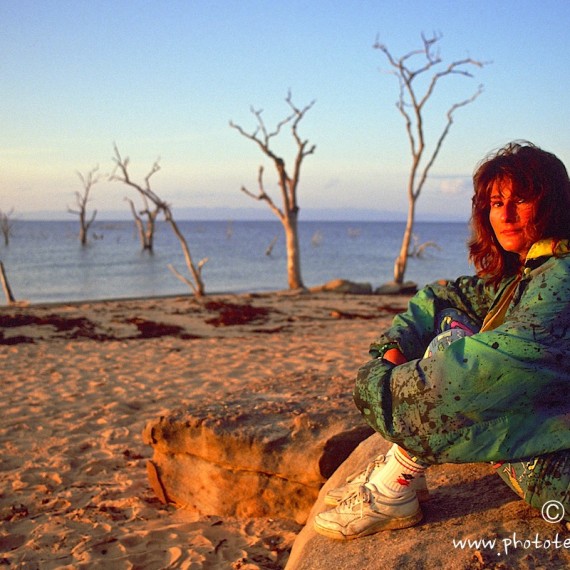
(413, 330)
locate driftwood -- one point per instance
(270, 247)
(418, 249)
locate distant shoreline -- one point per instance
(385, 219)
(249, 215)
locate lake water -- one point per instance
(45, 262)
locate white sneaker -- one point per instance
(354, 481)
(367, 512)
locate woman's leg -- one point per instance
(451, 326)
(384, 496)
(542, 479)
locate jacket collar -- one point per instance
(545, 248)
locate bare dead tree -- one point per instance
(145, 227)
(6, 225)
(121, 174)
(288, 213)
(81, 200)
(412, 105)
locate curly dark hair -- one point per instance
(535, 175)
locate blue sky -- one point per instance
(164, 78)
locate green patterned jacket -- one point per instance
(496, 395)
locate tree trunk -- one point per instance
(149, 235)
(293, 253)
(402, 259)
(142, 235)
(82, 235)
(6, 286)
(198, 285)
(146, 235)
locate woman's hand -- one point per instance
(394, 356)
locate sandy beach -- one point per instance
(81, 380)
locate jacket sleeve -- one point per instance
(497, 395)
(415, 328)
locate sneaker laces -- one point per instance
(362, 496)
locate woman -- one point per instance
(493, 385)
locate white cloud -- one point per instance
(455, 186)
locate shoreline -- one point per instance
(141, 299)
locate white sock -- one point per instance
(392, 450)
(395, 478)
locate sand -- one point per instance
(81, 380)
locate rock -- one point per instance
(393, 288)
(343, 286)
(468, 502)
(261, 451)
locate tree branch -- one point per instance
(262, 195)
(442, 137)
(122, 166)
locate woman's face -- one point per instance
(510, 216)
